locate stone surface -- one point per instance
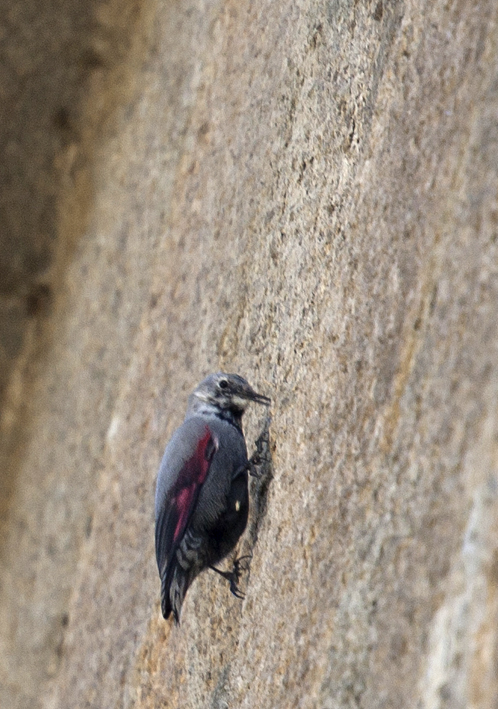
(305, 193)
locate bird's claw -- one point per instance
(261, 455)
(233, 576)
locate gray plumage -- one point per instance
(202, 498)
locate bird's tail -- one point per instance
(184, 565)
(174, 586)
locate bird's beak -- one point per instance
(259, 398)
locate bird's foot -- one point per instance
(233, 576)
(261, 455)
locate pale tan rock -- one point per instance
(305, 193)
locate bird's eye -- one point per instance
(223, 384)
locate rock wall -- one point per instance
(305, 193)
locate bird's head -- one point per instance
(228, 393)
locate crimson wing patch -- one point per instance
(182, 499)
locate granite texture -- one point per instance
(304, 193)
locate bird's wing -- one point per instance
(181, 499)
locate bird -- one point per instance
(202, 492)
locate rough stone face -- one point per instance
(304, 193)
